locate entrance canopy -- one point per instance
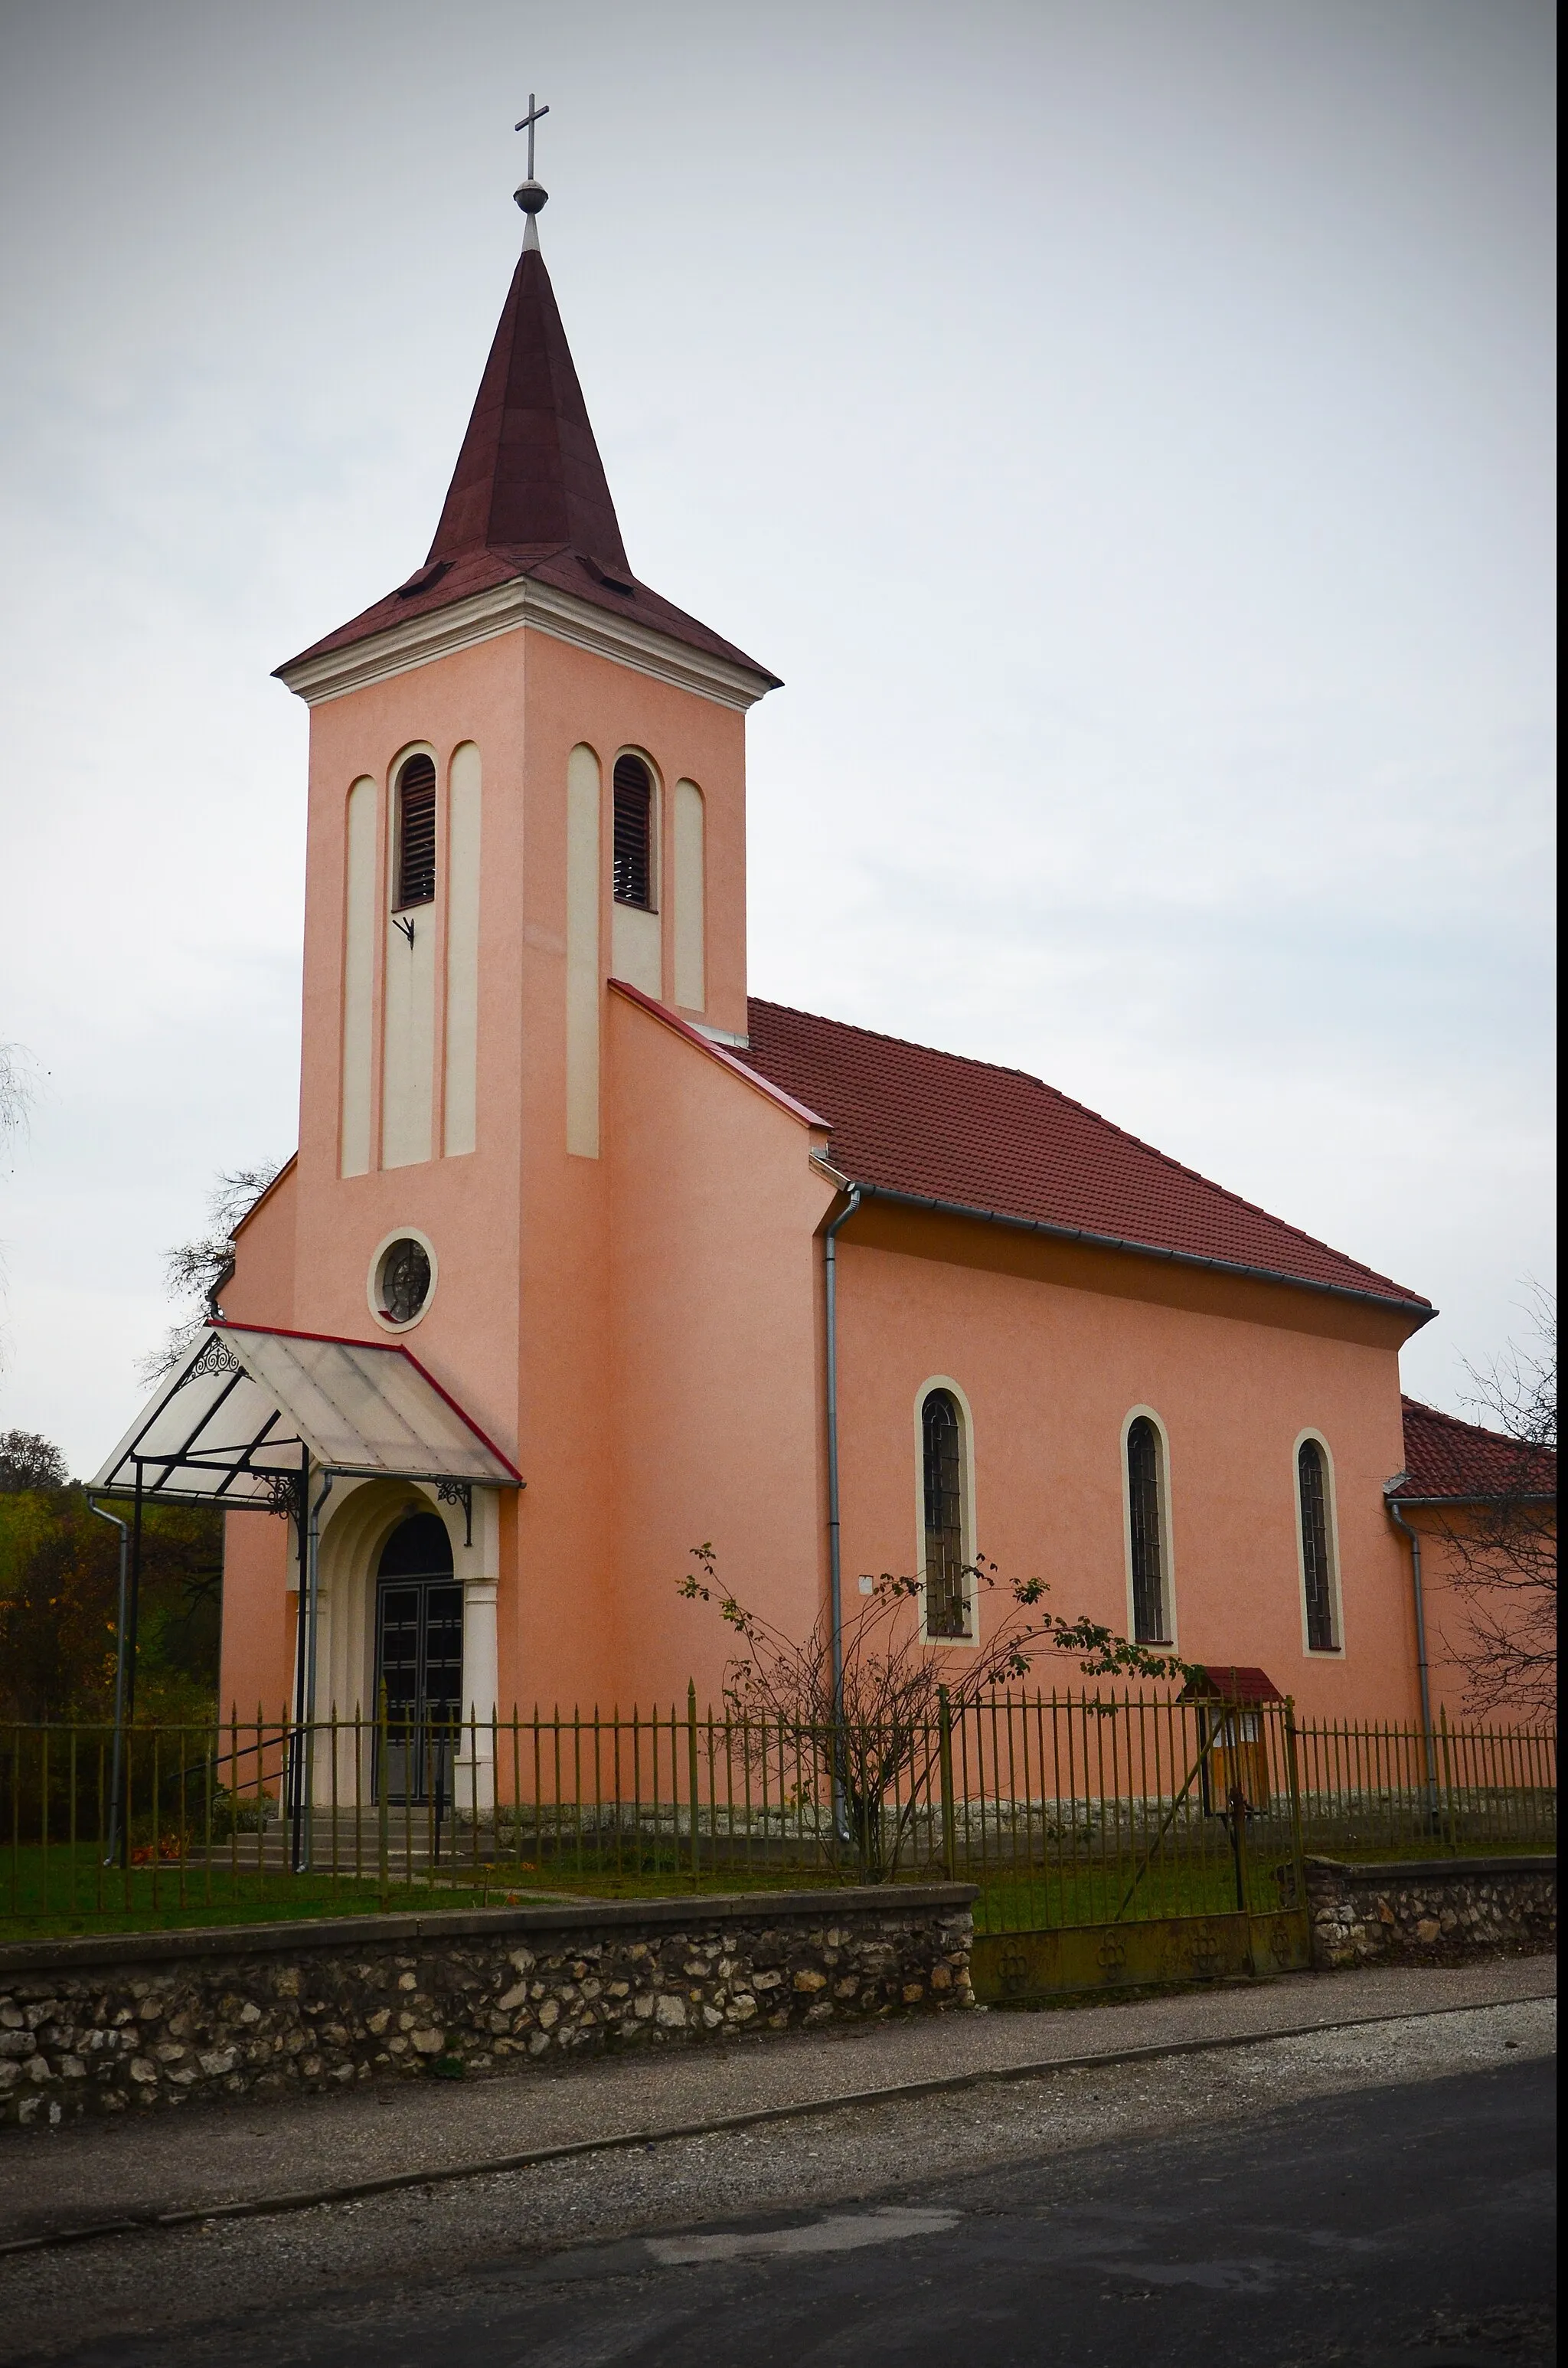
(252, 1413)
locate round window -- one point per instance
(403, 1280)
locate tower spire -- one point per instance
(528, 496)
(529, 472)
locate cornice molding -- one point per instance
(504, 608)
(1421, 1310)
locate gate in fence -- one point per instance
(1127, 1841)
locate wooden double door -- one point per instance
(419, 1664)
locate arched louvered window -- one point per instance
(1146, 1522)
(633, 832)
(1317, 1567)
(416, 833)
(941, 1438)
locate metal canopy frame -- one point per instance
(266, 1464)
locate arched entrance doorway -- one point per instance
(419, 1657)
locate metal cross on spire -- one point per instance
(532, 197)
(530, 119)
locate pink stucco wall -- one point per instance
(643, 1331)
(1450, 1638)
(1050, 1370)
(718, 1369)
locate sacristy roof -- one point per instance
(1460, 1461)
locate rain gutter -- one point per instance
(1423, 1668)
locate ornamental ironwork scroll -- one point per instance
(217, 1356)
(285, 1494)
(458, 1492)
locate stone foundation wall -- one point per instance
(111, 2023)
(1433, 1911)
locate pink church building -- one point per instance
(588, 1255)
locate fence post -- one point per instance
(1450, 1826)
(945, 1770)
(1293, 1783)
(382, 1772)
(691, 1767)
(1239, 1835)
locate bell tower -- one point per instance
(527, 779)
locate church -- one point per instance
(587, 1256)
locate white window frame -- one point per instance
(1167, 1531)
(966, 1514)
(1331, 1524)
(401, 1233)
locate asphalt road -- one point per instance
(1411, 2222)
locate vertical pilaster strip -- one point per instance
(690, 982)
(359, 976)
(584, 794)
(461, 1116)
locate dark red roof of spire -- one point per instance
(938, 1127)
(1446, 1458)
(529, 470)
(530, 495)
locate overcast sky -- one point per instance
(1124, 424)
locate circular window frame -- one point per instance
(378, 1256)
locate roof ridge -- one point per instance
(880, 1035)
(1180, 1168)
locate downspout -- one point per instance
(835, 1553)
(117, 1763)
(311, 1610)
(1423, 1670)
(294, 1765)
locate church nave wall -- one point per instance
(1053, 1380)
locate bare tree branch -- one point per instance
(18, 1090)
(197, 1272)
(881, 1744)
(1503, 1545)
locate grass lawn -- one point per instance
(64, 1890)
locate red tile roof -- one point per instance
(933, 1126)
(529, 496)
(1446, 1458)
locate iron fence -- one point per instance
(1065, 1810)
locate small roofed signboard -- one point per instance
(1234, 1774)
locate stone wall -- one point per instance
(1431, 1911)
(101, 2024)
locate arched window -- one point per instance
(633, 832)
(1317, 1567)
(415, 833)
(941, 1438)
(1146, 1522)
(419, 1547)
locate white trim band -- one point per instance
(502, 609)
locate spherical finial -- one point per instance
(532, 196)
